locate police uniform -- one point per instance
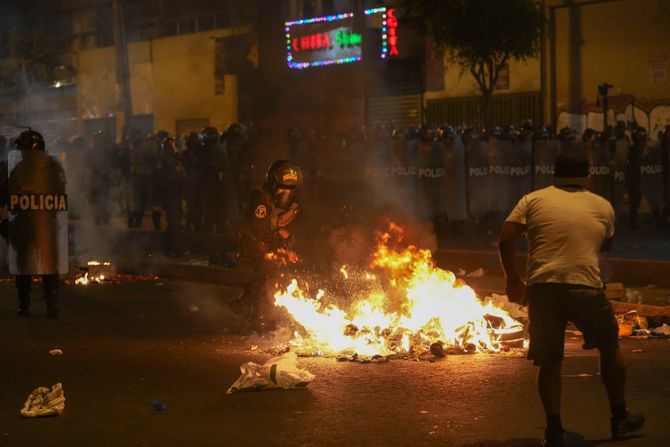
(265, 235)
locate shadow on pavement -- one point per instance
(571, 439)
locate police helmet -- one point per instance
(209, 136)
(29, 140)
(510, 132)
(169, 145)
(589, 135)
(527, 126)
(445, 132)
(426, 133)
(541, 134)
(161, 135)
(493, 132)
(566, 134)
(284, 174)
(640, 135)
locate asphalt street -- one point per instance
(128, 345)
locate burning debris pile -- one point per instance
(405, 306)
(100, 272)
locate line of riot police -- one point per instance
(456, 176)
(199, 181)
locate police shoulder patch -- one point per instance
(261, 211)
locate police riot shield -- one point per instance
(378, 171)
(651, 177)
(519, 170)
(479, 200)
(544, 160)
(599, 169)
(454, 179)
(37, 214)
(618, 166)
(499, 174)
(352, 172)
(409, 174)
(430, 179)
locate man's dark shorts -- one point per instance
(551, 306)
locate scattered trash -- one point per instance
(278, 372)
(423, 411)
(437, 349)
(633, 296)
(193, 308)
(198, 262)
(159, 405)
(44, 402)
(476, 273)
(55, 352)
(637, 350)
(160, 284)
(662, 330)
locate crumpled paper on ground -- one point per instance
(278, 372)
(662, 330)
(44, 402)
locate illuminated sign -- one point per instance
(390, 34)
(330, 40)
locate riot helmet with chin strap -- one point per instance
(29, 140)
(282, 179)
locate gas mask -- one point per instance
(283, 198)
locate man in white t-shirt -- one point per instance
(566, 227)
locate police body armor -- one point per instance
(651, 177)
(618, 165)
(519, 170)
(430, 179)
(37, 214)
(544, 160)
(454, 179)
(599, 169)
(499, 173)
(479, 200)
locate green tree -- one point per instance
(33, 59)
(479, 35)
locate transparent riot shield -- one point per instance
(499, 174)
(544, 160)
(601, 176)
(479, 198)
(618, 166)
(454, 180)
(430, 178)
(37, 214)
(519, 170)
(651, 179)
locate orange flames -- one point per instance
(406, 305)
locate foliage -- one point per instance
(32, 58)
(480, 35)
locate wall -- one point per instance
(524, 76)
(621, 42)
(171, 78)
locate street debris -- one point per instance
(193, 308)
(55, 352)
(159, 405)
(44, 402)
(278, 372)
(475, 273)
(662, 330)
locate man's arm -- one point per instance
(509, 235)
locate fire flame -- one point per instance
(411, 305)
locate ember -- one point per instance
(413, 305)
(97, 272)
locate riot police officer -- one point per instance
(266, 235)
(213, 175)
(633, 174)
(37, 244)
(664, 142)
(170, 182)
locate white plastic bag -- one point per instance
(278, 372)
(44, 402)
